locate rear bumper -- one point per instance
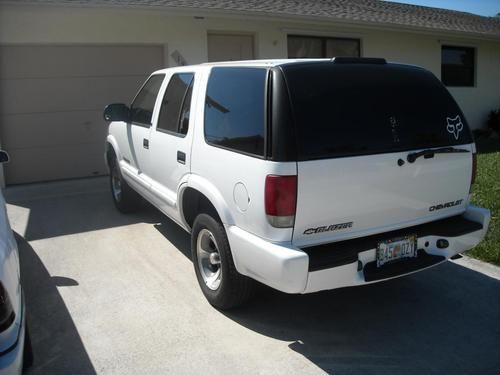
(350, 263)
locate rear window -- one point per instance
(359, 109)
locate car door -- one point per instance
(136, 155)
(170, 142)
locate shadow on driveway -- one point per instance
(443, 320)
(175, 235)
(73, 206)
(57, 346)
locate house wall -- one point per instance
(187, 34)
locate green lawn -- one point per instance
(486, 193)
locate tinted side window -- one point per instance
(144, 103)
(235, 109)
(174, 112)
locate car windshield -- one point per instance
(358, 109)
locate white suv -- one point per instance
(304, 175)
(15, 344)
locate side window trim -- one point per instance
(268, 105)
(170, 132)
(189, 91)
(161, 97)
(236, 151)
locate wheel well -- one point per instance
(194, 203)
(110, 154)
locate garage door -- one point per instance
(224, 47)
(51, 102)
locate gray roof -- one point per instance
(356, 11)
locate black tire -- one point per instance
(28, 356)
(126, 199)
(234, 289)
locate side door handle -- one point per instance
(181, 157)
(145, 143)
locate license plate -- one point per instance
(397, 248)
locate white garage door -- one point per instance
(224, 47)
(51, 103)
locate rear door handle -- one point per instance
(145, 143)
(181, 157)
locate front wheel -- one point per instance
(126, 199)
(220, 282)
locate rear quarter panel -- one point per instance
(230, 173)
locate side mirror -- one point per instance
(116, 112)
(4, 157)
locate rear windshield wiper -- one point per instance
(430, 153)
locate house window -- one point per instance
(457, 66)
(317, 47)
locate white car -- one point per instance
(304, 175)
(15, 346)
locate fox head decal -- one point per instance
(454, 126)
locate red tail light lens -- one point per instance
(474, 170)
(281, 200)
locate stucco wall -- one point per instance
(187, 33)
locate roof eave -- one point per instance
(372, 25)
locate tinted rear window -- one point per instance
(359, 109)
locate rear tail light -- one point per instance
(474, 170)
(7, 315)
(281, 200)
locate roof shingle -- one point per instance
(364, 11)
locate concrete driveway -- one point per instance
(115, 294)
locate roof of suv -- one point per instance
(244, 63)
(278, 62)
(266, 63)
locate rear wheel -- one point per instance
(126, 199)
(220, 282)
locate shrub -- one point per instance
(494, 121)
